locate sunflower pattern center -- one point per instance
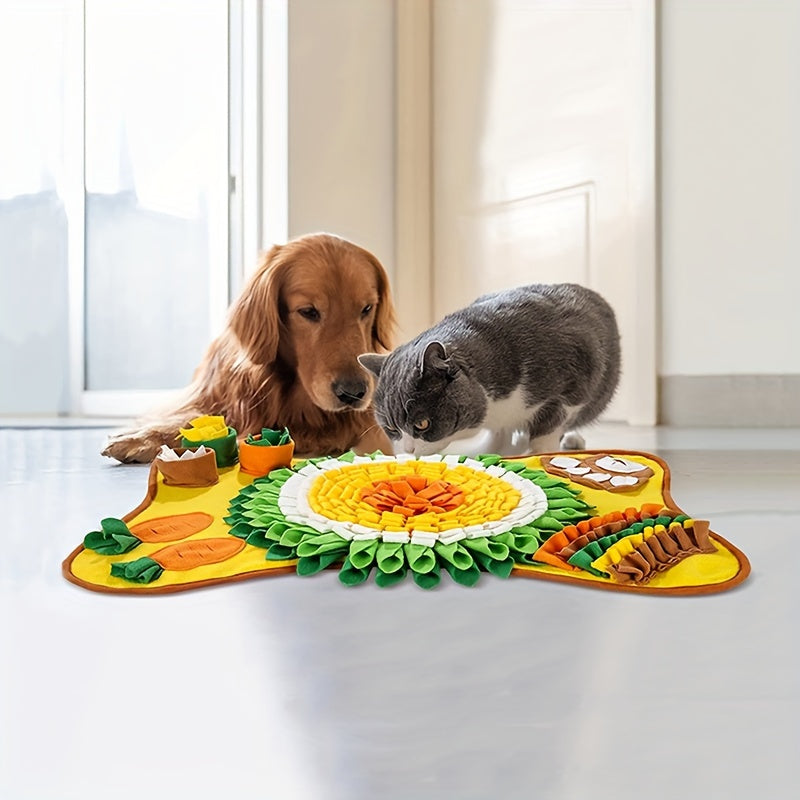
(413, 495)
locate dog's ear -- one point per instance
(385, 321)
(255, 316)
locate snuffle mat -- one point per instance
(602, 520)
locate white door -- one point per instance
(542, 154)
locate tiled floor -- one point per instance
(299, 688)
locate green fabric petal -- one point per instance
(350, 575)
(566, 514)
(292, 536)
(466, 577)
(390, 557)
(280, 476)
(114, 538)
(311, 565)
(427, 580)
(362, 552)
(566, 502)
(547, 523)
(584, 557)
(241, 530)
(492, 549)
(143, 570)
(258, 538)
(499, 567)
(385, 579)
(421, 559)
(514, 466)
(323, 543)
(454, 554)
(279, 552)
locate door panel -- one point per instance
(536, 130)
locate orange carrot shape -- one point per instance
(182, 556)
(115, 538)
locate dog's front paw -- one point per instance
(138, 447)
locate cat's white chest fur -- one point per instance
(509, 413)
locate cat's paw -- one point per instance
(572, 440)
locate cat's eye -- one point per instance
(422, 425)
(309, 313)
(367, 308)
(391, 432)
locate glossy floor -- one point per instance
(300, 688)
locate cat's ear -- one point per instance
(373, 362)
(434, 358)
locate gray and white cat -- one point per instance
(541, 359)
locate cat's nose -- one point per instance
(349, 391)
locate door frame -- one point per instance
(414, 224)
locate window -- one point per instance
(123, 224)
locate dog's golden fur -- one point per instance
(287, 356)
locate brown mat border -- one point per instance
(152, 489)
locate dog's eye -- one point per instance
(422, 425)
(309, 313)
(367, 308)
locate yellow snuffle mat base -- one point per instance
(438, 510)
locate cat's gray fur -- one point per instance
(543, 359)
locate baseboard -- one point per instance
(768, 401)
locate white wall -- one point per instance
(730, 141)
(341, 121)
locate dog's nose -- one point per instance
(350, 392)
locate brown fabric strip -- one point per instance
(662, 550)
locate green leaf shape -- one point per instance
(523, 540)
(386, 579)
(466, 577)
(566, 514)
(279, 552)
(427, 580)
(322, 543)
(547, 523)
(241, 530)
(142, 570)
(390, 557)
(421, 559)
(279, 476)
(351, 575)
(562, 493)
(362, 552)
(566, 502)
(514, 466)
(347, 457)
(311, 565)
(258, 538)
(454, 554)
(489, 547)
(293, 535)
(270, 438)
(499, 567)
(113, 539)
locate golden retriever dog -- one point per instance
(288, 355)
